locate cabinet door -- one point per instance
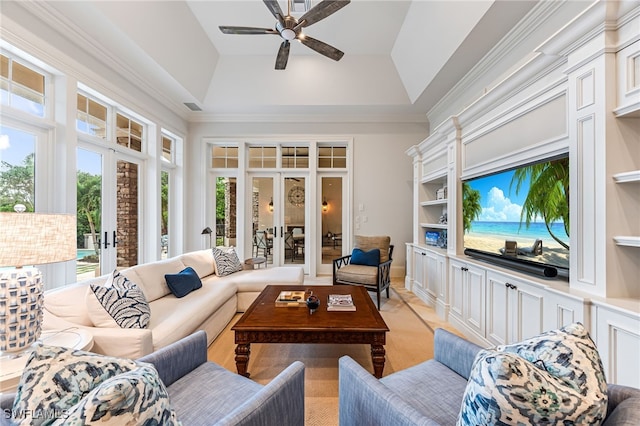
(528, 313)
(473, 310)
(433, 275)
(442, 279)
(497, 309)
(418, 270)
(456, 276)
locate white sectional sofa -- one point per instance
(209, 308)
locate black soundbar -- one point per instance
(519, 264)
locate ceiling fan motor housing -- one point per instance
(286, 28)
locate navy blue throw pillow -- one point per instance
(368, 258)
(183, 282)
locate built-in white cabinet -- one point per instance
(515, 309)
(467, 282)
(428, 271)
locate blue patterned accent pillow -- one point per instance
(227, 262)
(119, 303)
(136, 397)
(55, 379)
(183, 282)
(554, 378)
(368, 258)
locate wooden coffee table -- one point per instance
(263, 322)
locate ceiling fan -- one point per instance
(290, 28)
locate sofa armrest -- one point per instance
(364, 400)
(623, 407)
(454, 352)
(280, 402)
(119, 342)
(180, 358)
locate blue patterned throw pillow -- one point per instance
(118, 303)
(55, 379)
(136, 397)
(227, 262)
(554, 378)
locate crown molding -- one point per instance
(307, 118)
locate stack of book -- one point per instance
(291, 298)
(340, 302)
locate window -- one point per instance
(168, 150)
(224, 157)
(22, 87)
(129, 133)
(91, 117)
(262, 157)
(332, 157)
(17, 169)
(295, 157)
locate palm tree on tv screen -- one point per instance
(471, 208)
(548, 195)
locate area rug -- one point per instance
(409, 342)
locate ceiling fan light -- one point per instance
(288, 34)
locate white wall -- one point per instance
(382, 173)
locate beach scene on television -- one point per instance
(521, 213)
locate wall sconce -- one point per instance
(271, 205)
(325, 205)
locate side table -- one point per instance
(252, 262)
(11, 366)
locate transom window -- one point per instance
(168, 149)
(295, 157)
(224, 157)
(262, 157)
(332, 157)
(129, 133)
(91, 117)
(22, 87)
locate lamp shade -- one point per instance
(36, 238)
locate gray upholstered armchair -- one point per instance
(375, 277)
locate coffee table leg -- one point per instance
(243, 351)
(377, 356)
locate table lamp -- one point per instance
(28, 239)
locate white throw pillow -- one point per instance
(117, 303)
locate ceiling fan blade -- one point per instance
(321, 47)
(275, 10)
(247, 30)
(321, 11)
(283, 55)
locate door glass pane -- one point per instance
(89, 217)
(164, 214)
(262, 217)
(17, 169)
(226, 211)
(294, 220)
(331, 218)
(127, 196)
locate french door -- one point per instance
(279, 217)
(109, 201)
(332, 234)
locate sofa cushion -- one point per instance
(227, 262)
(446, 396)
(134, 397)
(505, 388)
(202, 261)
(173, 318)
(360, 274)
(184, 282)
(368, 258)
(57, 378)
(152, 281)
(63, 301)
(367, 243)
(117, 303)
(255, 280)
(627, 413)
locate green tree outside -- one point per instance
(17, 184)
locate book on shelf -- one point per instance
(291, 298)
(340, 302)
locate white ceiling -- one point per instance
(401, 56)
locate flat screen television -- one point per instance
(520, 217)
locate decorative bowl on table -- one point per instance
(313, 302)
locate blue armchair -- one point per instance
(431, 393)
